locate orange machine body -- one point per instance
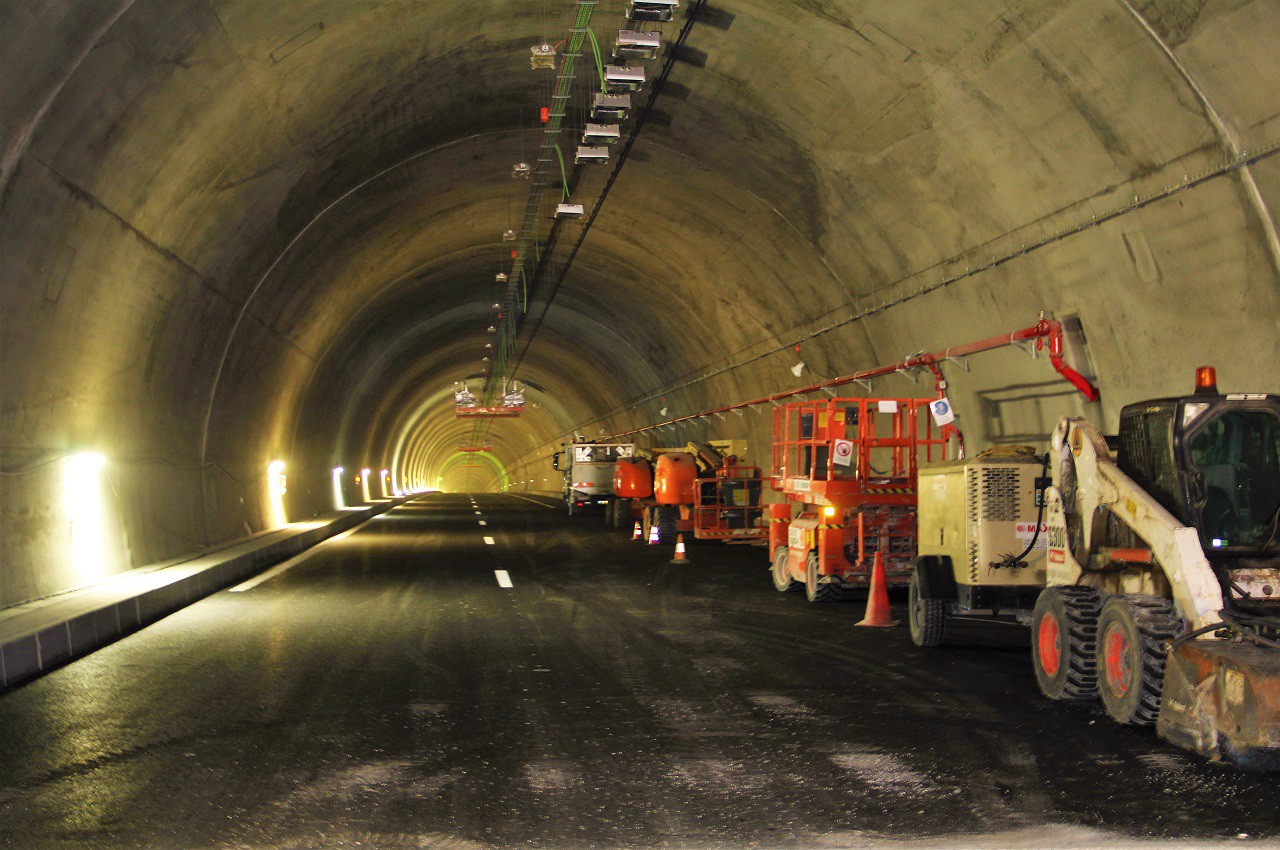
(632, 478)
(675, 479)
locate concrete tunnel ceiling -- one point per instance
(239, 230)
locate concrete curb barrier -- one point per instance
(40, 635)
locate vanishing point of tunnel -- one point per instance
(300, 298)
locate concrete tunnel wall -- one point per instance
(233, 231)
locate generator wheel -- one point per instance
(1064, 642)
(668, 517)
(814, 591)
(926, 617)
(1133, 635)
(782, 579)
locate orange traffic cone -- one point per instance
(653, 535)
(878, 598)
(680, 557)
(637, 534)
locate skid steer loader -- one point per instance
(1163, 572)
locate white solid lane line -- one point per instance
(489, 540)
(504, 580)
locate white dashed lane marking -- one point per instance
(504, 580)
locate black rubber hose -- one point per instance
(1010, 561)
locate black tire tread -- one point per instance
(667, 520)
(1081, 606)
(926, 632)
(821, 593)
(1158, 623)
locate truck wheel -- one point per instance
(1133, 634)
(926, 617)
(814, 591)
(667, 521)
(1064, 642)
(782, 579)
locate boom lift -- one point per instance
(700, 488)
(1164, 571)
(850, 464)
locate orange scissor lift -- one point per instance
(850, 464)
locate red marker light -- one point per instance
(546, 115)
(1206, 380)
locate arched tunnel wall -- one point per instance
(234, 231)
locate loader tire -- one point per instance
(782, 580)
(1064, 628)
(622, 514)
(926, 617)
(667, 519)
(1134, 631)
(814, 591)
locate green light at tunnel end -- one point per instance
(457, 457)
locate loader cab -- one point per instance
(1213, 461)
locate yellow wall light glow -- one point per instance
(385, 475)
(364, 485)
(276, 488)
(94, 550)
(338, 501)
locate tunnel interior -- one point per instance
(234, 233)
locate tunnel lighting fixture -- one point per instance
(492, 329)
(610, 107)
(587, 155)
(384, 476)
(364, 485)
(636, 45)
(798, 369)
(84, 502)
(521, 170)
(569, 210)
(662, 412)
(338, 501)
(500, 277)
(601, 134)
(618, 79)
(277, 486)
(542, 57)
(484, 359)
(497, 306)
(508, 235)
(652, 10)
(488, 345)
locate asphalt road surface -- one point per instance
(387, 690)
